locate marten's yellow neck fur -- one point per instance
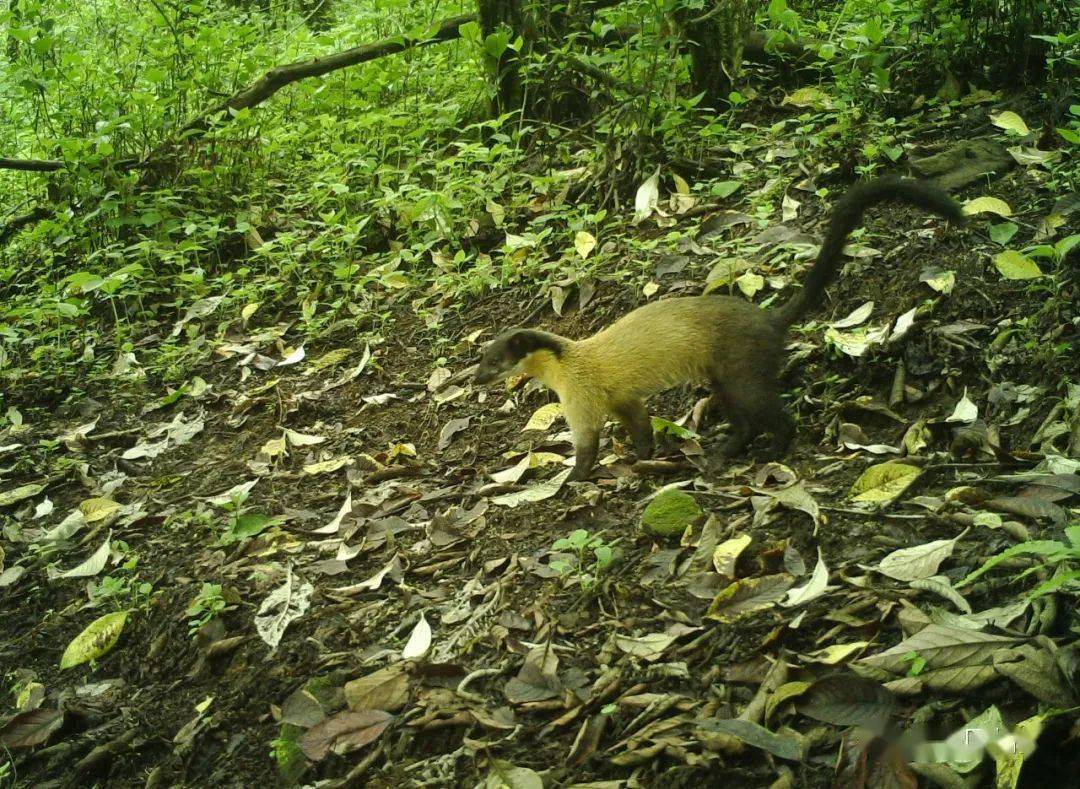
(548, 369)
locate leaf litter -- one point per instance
(403, 599)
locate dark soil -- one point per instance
(163, 674)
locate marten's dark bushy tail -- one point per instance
(846, 216)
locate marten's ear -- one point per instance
(521, 342)
(518, 343)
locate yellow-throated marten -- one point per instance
(728, 342)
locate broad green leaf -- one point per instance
(1002, 232)
(95, 641)
(661, 425)
(248, 524)
(750, 283)
(1016, 265)
(1065, 246)
(808, 97)
(85, 282)
(724, 189)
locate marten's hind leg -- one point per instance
(774, 419)
(727, 402)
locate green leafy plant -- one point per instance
(242, 524)
(209, 603)
(124, 590)
(918, 663)
(1061, 558)
(592, 556)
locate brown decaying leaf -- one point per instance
(870, 762)
(31, 728)
(1029, 507)
(385, 689)
(346, 730)
(844, 699)
(302, 709)
(537, 679)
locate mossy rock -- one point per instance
(670, 513)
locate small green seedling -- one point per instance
(581, 543)
(207, 604)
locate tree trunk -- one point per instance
(12, 42)
(504, 71)
(715, 41)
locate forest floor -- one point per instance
(389, 614)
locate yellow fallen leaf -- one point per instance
(808, 97)
(584, 243)
(273, 448)
(97, 639)
(543, 417)
(327, 466)
(837, 653)
(402, 450)
(987, 205)
(1010, 122)
(882, 483)
(98, 509)
(727, 553)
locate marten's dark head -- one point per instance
(503, 354)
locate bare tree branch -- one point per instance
(36, 214)
(31, 165)
(278, 77)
